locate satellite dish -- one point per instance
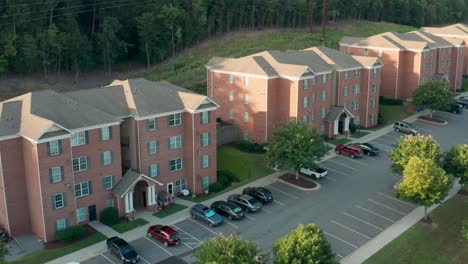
(185, 192)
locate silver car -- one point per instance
(405, 127)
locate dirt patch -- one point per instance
(428, 220)
(463, 192)
(57, 244)
(431, 119)
(301, 182)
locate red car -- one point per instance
(165, 234)
(352, 151)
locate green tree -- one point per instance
(465, 230)
(456, 162)
(7, 50)
(3, 251)
(111, 45)
(148, 33)
(305, 244)
(424, 147)
(294, 146)
(424, 183)
(27, 58)
(230, 249)
(172, 15)
(433, 95)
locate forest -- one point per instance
(54, 36)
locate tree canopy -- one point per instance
(456, 162)
(294, 146)
(424, 147)
(433, 95)
(305, 244)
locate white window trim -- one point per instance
(104, 158)
(177, 166)
(176, 118)
(81, 184)
(175, 142)
(107, 133)
(204, 116)
(61, 221)
(55, 201)
(156, 170)
(79, 163)
(205, 161)
(59, 174)
(205, 139)
(78, 219)
(111, 182)
(77, 137)
(56, 148)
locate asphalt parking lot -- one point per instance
(355, 203)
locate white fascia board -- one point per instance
(94, 127)
(10, 137)
(160, 115)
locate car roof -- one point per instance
(218, 203)
(234, 195)
(231, 205)
(168, 230)
(246, 197)
(200, 206)
(117, 241)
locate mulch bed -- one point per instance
(463, 192)
(57, 244)
(301, 182)
(426, 221)
(431, 119)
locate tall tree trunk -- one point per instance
(51, 11)
(94, 19)
(425, 213)
(147, 55)
(108, 58)
(297, 175)
(59, 61)
(172, 40)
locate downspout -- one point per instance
(338, 89)
(193, 150)
(40, 194)
(456, 71)
(266, 113)
(139, 145)
(4, 195)
(368, 95)
(398, 70)
(73, 174)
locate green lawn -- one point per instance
(339, 141)
(45, 255)
(392, 113)
(359, 134)
(174, 208)
(440, 243)
(465, 86)
(124, 227)
(187, 68)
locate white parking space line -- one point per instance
(188, 244)
(165, 250)
(108, 259)
(339, 255)
(204, 226)
(278, 202)
(342, 165)
(367, 157)
(374, 213)
(283, 192)
(393, 198)
(365, 222)
(354, 246)
(392, 136)
(249, 217)
(329, 178)
(330, 169)
(267, 210)
(386, 141)
(422, 122)
(350, 159)
(446, 115)
(424, 129)
(350, 229)
(145, 260)
(388, 207)
(233, 225)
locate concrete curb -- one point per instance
(435, 123)
(302, 188)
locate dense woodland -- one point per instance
(53, 36)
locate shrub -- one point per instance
(248, 146)
(390, 101)
(215, 187)
(352, 127)
(70, 233)
(110, 216)
(465, 230)
(380, 119)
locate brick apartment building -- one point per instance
(64, 157)
(410, 59)
(321, 87)
(455, 31)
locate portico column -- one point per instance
(154, 194)
(127, 204)
(335, 127)
(346, 126)
(130, 201)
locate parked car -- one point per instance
(405, 127)
(246, 202)
(122, 250)
(316, 172)
(262, 194)
(206, 215)
(4, 237)
(454, 107)
(164, 234)
(368, 149)
(350, 150)
(463, 102)
(229, 210)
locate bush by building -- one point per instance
(110, 216)
(249, 146)
(70, 233)
(390, 101)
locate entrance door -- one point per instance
(170, 189)
(92, 212)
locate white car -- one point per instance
(317, 172)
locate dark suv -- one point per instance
(246, 202)
(122, 250)
(263, 195)
(353, 151)
(206, 215)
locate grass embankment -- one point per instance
(172, 209)
(127, 226)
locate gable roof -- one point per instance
(456, 30)
(392, 40)
(335, 112)
(129, 179)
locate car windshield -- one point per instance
(126, 249)
(370, 145)
(173, 236)
(237, 209)
(412, 126)
(209, 213)
(252, 201)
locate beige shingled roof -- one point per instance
(459, 30)
(368, 62)
(392, 40)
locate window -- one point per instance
(324, 95)
(355, 105)
(110, 203)
(324, 78)
(424, 55)
(80, 164)
(357, 73)
(374, 88)
(54, 147)
(106, 158)
(366, 52)
(175, 142)
(205, 161)
(55, 174)
(346, 75)
(372, 119)
(82, 189)
(79, 138)
(304, 120)
(246, 134)
(205, 182)
(442, 62)
(106, 133)
(356, 89)
(305, 102)
(231, 78)
(153, 147)
(153, 170)
(204, 139)
(314, 81)
(432, 53)
(175, 165)
(449, 61)
(151, 124)
(246, 117)
(231, 96)
(449, 51)
(431, 65)
(205, 117)
(323, 112)
(60, 224)
(313, 97)
(322, 129)
(180, 185)
(380, 53)
(81, 214)
(357, 120)
(305, 84)
(58, 201)
(373, 103)
(345, 105)
(345, 91)
(108, 182)
(246, 99)
(424, 68)
(246, 81)
(231, 114)
(375, 72)
(313, 115)
(175, 120)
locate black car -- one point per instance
(455, 108)
(4, 237)
(122, 250)
(263, 195)
(228, 209)
(246, 202)
(369, 149)
(463, 102)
